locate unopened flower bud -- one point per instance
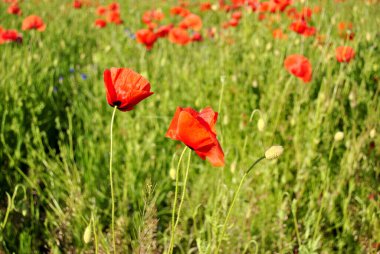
(339, 136)
(274, 152)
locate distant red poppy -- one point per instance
(344, 54)
(163, 31)
(310, 31)
(33, 22)
(299, 66)
(197, 131)
(191, 21)
(197, 37)
(233, 22)
(77, 4)
(146, 37)
(306, 13)
(298, 26)
(178, 10)
(125, 88)
(292, 13)
(205, 6)
(7, 36)
(317, 9)
(100, 23)
(346, 31)
(179, 36)
(101, 10)
(152, 15)
(114, 17)
(114, 7)
(301, 27)
(278, 34)
(236, 15)
(282, 4)
(14, 9)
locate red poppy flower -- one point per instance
(282, 4)
(306, 13)
(233, 22)
(236, 15)
(345, 30)
(344, 54)
(33, 22)
(114, 7)
(197, 37)
(179, 36)
(77, 4)
(9, 36)
(163, 31)
(310, 31)
(101, 10)
(191, 21)
(149, 16)
(299, 66)
(100, 23)
(298, 26)
(125, 88)
(14, 9)
(114, 17)
(292, 13)
(146, 37)
(205, 6)
(178, 10)
(197, 131)
(278, 34)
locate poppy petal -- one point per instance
(192, 132)
(110, 89)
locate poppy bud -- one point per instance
(372, 133)
(274, 152)
(261, 125)
(338, 136)
(87, 234)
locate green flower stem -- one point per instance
(233, 201)
(175, 201)
(112, 190)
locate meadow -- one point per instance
(321, 195)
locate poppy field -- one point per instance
(212, 126)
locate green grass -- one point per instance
(54, 136)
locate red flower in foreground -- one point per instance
(14, 9)
(146, 37)
(100, 23)
(125, 88)
(197, 131)
(179, 36)
(344, 54)
(33, 22)
(299, 66)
